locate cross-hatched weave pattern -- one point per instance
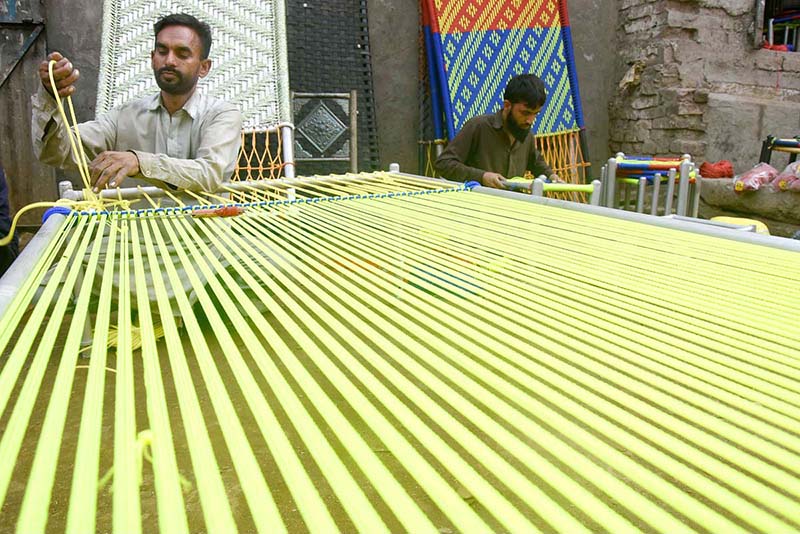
(479, 65)
(249, 65)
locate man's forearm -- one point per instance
(214, 161)
(453, 169)
(50, 137)
(192, 174)
(50, 142)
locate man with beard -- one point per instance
(493, 147)
(179, 138)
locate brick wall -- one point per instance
(674, 58)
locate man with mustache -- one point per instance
(179, 138)
(493, 147)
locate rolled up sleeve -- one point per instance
(51, 142)
(451, 162)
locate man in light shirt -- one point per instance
(179, 138)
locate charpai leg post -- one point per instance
(640, 194)
(670, 192)
(287, 139)
(698, 182)
(656, 191)
(683, 188)
(597, 192)
(611, 180)
(604, 182)
(538, 188)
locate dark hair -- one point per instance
(527, 88)
(184, 19)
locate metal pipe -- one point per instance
(538, 187)
(612, 182)
(683, 188)
(597, 193)
(63, 187)
(287, 143)
(604, 182)
(353, 131)
(14, 278)
(155, 192)
(696, 226)
(656, 191)
(698, 182)
(670, 192)
(640, 195)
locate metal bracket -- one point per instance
(23, 49)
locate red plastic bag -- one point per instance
(752, 180)
(789, 175)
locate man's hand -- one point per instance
(111, 168)
(556, 179)
(64, 74)
(492, 179)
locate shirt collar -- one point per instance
(154, 102)
(497, 120)
(192, 106)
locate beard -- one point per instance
(519, 133)
(178, 85)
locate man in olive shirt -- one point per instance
(178, 138)
(491, 148)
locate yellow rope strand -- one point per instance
(75, 142)
(415, 348)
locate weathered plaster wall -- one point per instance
(690, 80)
(594, 39)
(393, 38)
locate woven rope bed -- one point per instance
(249, 61)
(404, 354)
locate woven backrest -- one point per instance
(249, 65)
(477, 46)
(473, 48)
(266, 153)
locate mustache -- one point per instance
(168, 69)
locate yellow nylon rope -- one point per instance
(427, 361)
(352, 233)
